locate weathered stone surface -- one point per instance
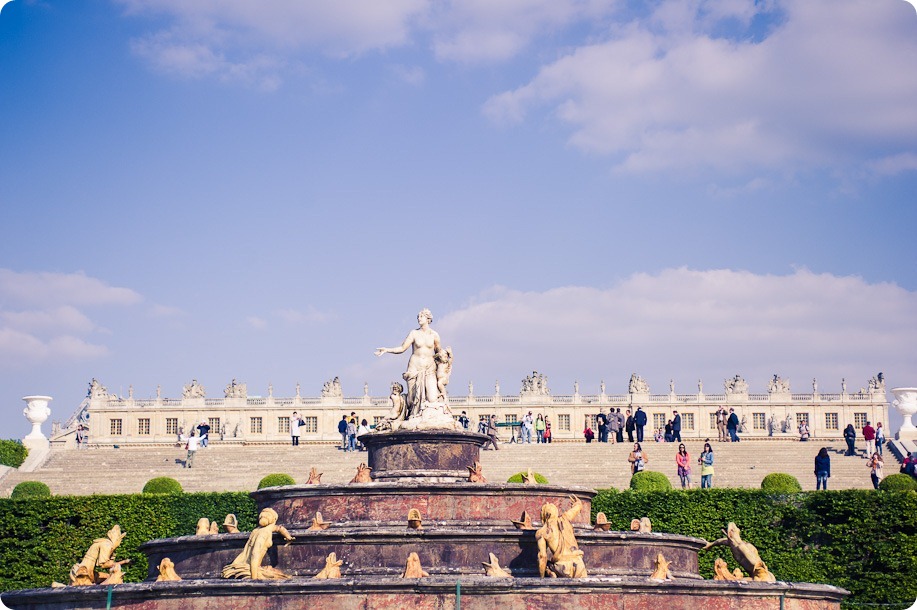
(433, 455)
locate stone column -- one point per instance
(906, 403)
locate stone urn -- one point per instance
(37, 412)
(906, 403)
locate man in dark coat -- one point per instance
(639, 422)
(676, 428)
(629, 427)
(732, 424)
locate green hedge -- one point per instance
(861, 540)
(41, 539)
(30, 489)
(517, 478)
(898, 482)
(648, 480)
(12, 453)
(276, 480)
(162, 485)
(781, 483)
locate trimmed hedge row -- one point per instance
(30, 489)
(41, 539)
(863, 541)
(12, 453)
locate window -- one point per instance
(713, 421)
(758, 421)
(591, 423)
(831, 421)
(658, 420)
(511, 418)
(116, 427)
(171, 425)
(563, 422)
(214, 423)
(283, 425)
(255, 425)
(859, 420)
(143, 426)
(310, 424)
(802, 418)
(687, 421)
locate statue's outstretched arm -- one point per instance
(397, 350)
(574, 510)
(717, 542)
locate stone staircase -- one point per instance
(235, 467)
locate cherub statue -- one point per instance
(745, 553)
(661, 571)
(415, 522)
(231, 524)
(443, 360)
(214, 528)
(100, 556)
(318, 524)
(601, 523)
(556, 536)
(492, 568)
(315, 477)
(412, 568)
(167, 571)
(476, 473)
(248, 563)
(524, 522)
(721, 571)
(332, 567)
(116, 576)
(362, 475)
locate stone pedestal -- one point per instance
(906, 403)
(432, 456)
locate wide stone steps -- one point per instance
(595, 465)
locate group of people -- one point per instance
(874, 437)
(351, 427)
(638, 460)
(540, 425)
(612, 426)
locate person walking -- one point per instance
(194, 442)
(732, 426)
(539, 429)
(639, 423)
(295, 423)
(804, 431)
(637, 459)
(706, 467)
(683, 465)
(619, 433)
(342, 430)
(822, 469)
(869, 435)
(363, 429)
(629, 426)
(676, 427)
(880, 438)
(492, 433)
(875, 464)
(850, 435)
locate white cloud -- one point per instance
(829, 81)
(894, 164)
(50, 289)
(256, 322)
(412, 75)
(690, 324)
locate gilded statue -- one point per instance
(524, 522)
(412, 568)
(721, 571)
(315, 477)
(601, 523)
(528, 478)
(100, 556)
(318, 524)
(231, 524)
(203, 527)
(414, 519)
(167, 571)
(214, 528)
(492, 568)
(115, 576)
(641, 526)
(661, 571)
(745, 554)
(362, 475)
(248, 563)
(332, 567)
(476, 473)
(556, 535)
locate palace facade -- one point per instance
(239, 418)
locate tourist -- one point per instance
(875, 465)
(363, 429)
(880, 438)
(721, 417)
(629, 426)
(351, 434)
(619, 432)
(482, 425)
(657, 435)
(706, 467)
(203, 431)
(637, 459)
(526, 430)
(295, 423)
(547, 431)
(683, 465)
(601, 422)
(667, 436)
(539, 429)
(639, 422)
(81, 436)
(869, 435)
(804, 431)
(850, 435)
(909, 465)
(676, 427)
(732, 425)
(463, 420)
(822, 469)
(588, 434)
(614, 426)
(193, 443)
(342, 429)
(491, 431)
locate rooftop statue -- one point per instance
(96, 389)
(100, 556)
(638, 385)
(193, 390)
(556, 535)
(736, 385)
(426, 376)
(536, 384)
(236, 390)
(332, 388)
(778, 385)
(248, 563)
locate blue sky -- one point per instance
(589, 188)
